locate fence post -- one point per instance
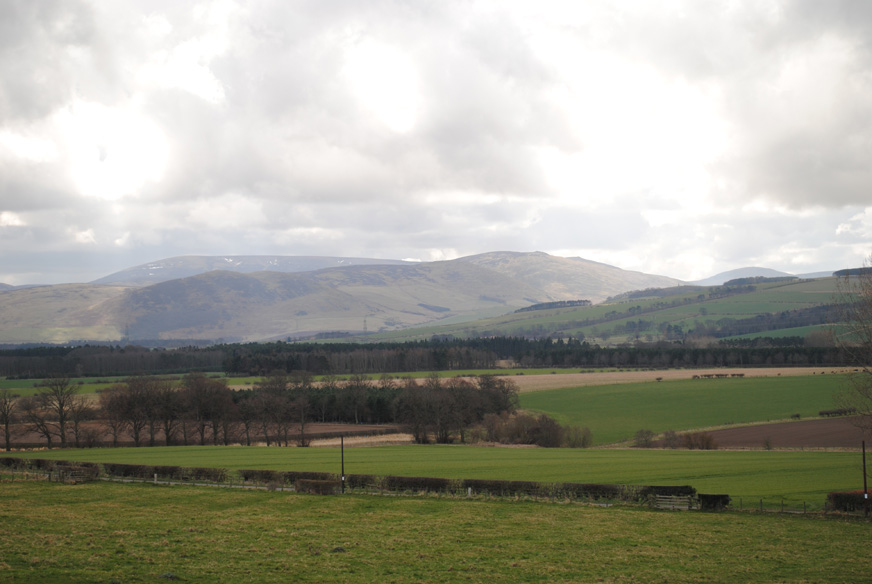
(761, 505)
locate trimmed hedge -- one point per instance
(176, 473)
(13, 462)
(169, 472)
(88, 471)
(593, 491)
(213, 475)
(847, 501)
(43, 464)
(361, 481)
(507, 488)
(429, 484)
(667, 491)
(317, 487)
(291, 477)
(261, 476)
(134, 471)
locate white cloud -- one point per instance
(676, 137)
(384, 80)
(8, 219)
(27, 148)
(86, 236)
(111, 151)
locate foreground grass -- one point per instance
(102, 532)
(615, 412)
(795, 477)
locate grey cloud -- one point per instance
(37, 70)
(291, 137)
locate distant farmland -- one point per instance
(615, 412)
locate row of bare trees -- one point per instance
(150, 410)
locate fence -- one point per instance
(661, 497)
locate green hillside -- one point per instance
(739, 311)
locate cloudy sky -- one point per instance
(677, 138)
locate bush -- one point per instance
(671, 439)
(847, 501)
(713, 502)
(643, 439)
(699, 441)
(576, 437)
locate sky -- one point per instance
(679, 138)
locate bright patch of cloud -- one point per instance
(112, 151)
(28, 148)
(87, 236)
(9, 219)
(385, 82)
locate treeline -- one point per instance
(105, 360)
(556, 304)
(259, 359)
(760, 280)
(276, 411)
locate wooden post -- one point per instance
(342, 450)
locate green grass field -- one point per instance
(103, 532)
(615, 412)
(795, 477)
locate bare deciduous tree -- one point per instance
(112, 405)
(57, 398)
(853, 334)
(8, 415)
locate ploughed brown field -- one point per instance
(823, 433)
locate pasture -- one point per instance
(615, 412)
(104, 532)
(795, 477)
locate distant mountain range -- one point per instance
(273, 297)
(187, 266)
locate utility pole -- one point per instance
(865, 488)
